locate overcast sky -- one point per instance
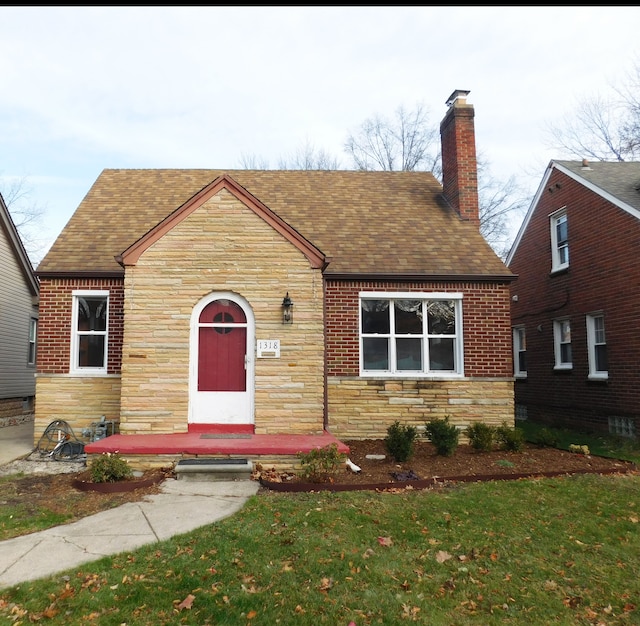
(88, 88)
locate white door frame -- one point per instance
(193, 416)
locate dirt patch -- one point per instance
(467, 464)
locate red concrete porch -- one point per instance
(156, 449)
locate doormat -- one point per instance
(224, 436)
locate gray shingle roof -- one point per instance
(620, 179)
(384, 223)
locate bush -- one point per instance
(110, 468)
(400, 441)
(443, 436)
(318, 464)
(546, 438)
(509, 438)
(481, 436)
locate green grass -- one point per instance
(611, 446)
(559, 551)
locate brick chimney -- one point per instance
(459, 165)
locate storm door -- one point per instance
(221, 386)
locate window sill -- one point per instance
(559, 270)
(598, 378)
(563, 368)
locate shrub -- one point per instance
(318, 464)
(546, 438)
(510, 438)
(110, 468)
(400, 441)
(481, 436)
(443, 436)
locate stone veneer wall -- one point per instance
(222, 246)
(363, 408)
(78, 400)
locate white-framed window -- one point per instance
(89, 336)
(597, 346)
(519, 352)
(562, 344)
(33, 331)
(411, 334)
(559, 240)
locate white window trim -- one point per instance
(33, 341)
(456, 297)
(556, 265)
(73, 365)
(517, 372)
(557, 336)
(591, 347)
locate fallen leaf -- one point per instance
(187, 602)
(442, 556)
(251, 614)
(385, 541)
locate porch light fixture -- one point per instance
(287, 310)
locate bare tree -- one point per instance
(411, 142)
(307, 157)
(602, 127)
(406, 143)
(26, 216)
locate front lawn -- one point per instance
(559, 551)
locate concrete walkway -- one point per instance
(16, 441)
(182, 506)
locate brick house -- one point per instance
(574, 310)
(290, 307)
(18, 322)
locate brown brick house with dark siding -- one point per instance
(162, 302)
(575, 298)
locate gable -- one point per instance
(131, 255)
(383, 224)
(616, 182)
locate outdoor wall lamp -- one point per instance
(287, 310)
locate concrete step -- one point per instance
(213, 469)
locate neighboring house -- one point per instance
(576, 299)
(18, 323)
(165, 305)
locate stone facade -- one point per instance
(363, 408)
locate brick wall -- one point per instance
(603, 276)
(485, 313)
(54, 324)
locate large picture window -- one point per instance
(410, 334)
(89, 334)
(597, 347)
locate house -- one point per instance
(575, 302)
(18, 324)
(265, 313)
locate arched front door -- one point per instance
(222, 361)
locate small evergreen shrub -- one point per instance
(481, 436)
(110, 468)
(400, 441)
(319, 464)
(509, 438)
(546, 438)
(443, 436)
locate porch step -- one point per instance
(213, 469)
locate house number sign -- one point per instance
(268, 348)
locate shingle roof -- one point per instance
(367, 223)
(620, 179)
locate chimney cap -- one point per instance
(458, 94)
